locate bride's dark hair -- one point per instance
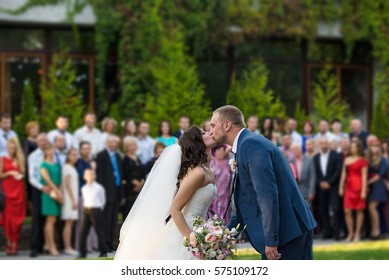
(194, 151)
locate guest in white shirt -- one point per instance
(145, 143)
(90, 134)
(60, 150)
(252, 124)
(35, 160)
(5, 133)
(62, 124)
(324, 131)
(291, 126)
(93, 195)
(338, 134)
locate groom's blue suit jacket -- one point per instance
(267, 197)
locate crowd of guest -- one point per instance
(75, 186)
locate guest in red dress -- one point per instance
(354, 174)
(12, 169)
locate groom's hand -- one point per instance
(272, 253)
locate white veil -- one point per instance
(149, 212)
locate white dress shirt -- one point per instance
(68, 137)
(235, 144)
(146, 149)
(92, 136)
(296, 138)
(4, 136)
(35, 160)
(330, 136)
(60, 157)
(93, 196)
(324, 162)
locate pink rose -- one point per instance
(192, 239)
(217, 230)
(210, 238)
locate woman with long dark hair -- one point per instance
(178, 189)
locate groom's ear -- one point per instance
(227, 126)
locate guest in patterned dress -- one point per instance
(222, 174)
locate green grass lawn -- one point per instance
(378, 250)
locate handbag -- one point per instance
(2, 199)
(57, 196)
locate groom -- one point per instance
(267, 197)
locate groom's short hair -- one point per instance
(232, 114)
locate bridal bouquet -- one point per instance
(211, 240)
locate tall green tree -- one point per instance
(251, 95)
(29, 111)
(380, 122)
(327, 103)
(177, 90)
(60, 95)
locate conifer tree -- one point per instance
(60, 96)
(177, 90)
(326, 101)
(251, 95)
(29, 111)
(380, 122)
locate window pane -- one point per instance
(26, 39)
(354, 92)
(71, 41)
(20, 70)
(269, 50)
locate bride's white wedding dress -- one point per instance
(145, 235)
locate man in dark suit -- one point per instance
(267, 197)
(328, 166)
(184, 125)
(109, 175)
(356, 131)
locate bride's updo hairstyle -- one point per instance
(194, 151)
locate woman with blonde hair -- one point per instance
(108, 127)
(12, 170)
(377, 188)
(51, 208)
(69, 212)
(134, 174)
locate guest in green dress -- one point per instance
(51, 177)
(165, 135)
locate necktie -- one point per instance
(116, 170)
(6, 136)
(234, 179)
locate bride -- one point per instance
(179, 188)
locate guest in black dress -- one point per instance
(30, 145)
(158, 150)
(133, 174)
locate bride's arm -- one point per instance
(191, 182)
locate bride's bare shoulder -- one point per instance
(196, 173)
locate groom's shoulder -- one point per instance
(253, 139)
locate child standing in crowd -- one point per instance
(93, 195)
